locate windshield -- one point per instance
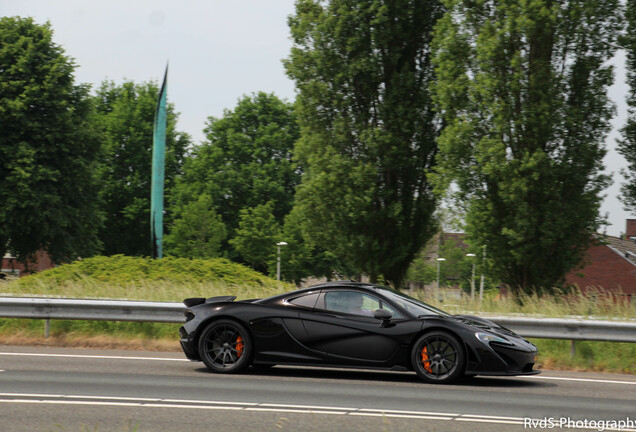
(412, 305)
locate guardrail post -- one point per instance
(572, 348)
(47, 328)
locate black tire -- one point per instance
(225, 346)
(438, 357)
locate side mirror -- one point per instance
(384, 315)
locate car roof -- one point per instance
(348, 284)
(327, 285)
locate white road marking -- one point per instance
(94, 357)
(209, 402)
(413, 412)
(203, 407)
(483, 420)
(603, 381)
(410, 416)
(492, 417)
(133, 402)
(292, 410)
(317, 407)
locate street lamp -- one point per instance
(472, 279)
(279, 244)
(481, 282)
(437, 284)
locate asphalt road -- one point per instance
(54, 389)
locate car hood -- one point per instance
(486, 325)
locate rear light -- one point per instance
(189, 316)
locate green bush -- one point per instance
(167, 279)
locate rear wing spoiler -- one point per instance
(194, 301)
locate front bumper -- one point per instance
(502, 360)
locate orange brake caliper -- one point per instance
(239, 346)
(425, 361)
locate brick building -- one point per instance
(11, 266)
(610, 265)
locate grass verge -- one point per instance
(590, 356)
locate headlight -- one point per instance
(487, 338)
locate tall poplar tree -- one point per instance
(627, 145)
(523, 89)
(363, 69)
(48, 148)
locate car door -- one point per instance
(280, 335)
(342, 326)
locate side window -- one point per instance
(307, 300)
(344, 301)
(355, 303)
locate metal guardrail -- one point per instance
(97, 310)
(116, 310)
(569, 329)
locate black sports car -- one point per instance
(350, 324)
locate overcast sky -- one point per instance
(218, 50)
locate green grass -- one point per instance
(131, 278)
(595, 356)
(172, 280)
(597, 304)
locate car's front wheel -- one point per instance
(438, 357)
(225, 346)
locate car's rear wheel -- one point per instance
(438, 357)
(225, 346)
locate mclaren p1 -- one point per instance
(350, 324)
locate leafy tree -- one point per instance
(246, 161)
(48, 148)
(420, 271)
(126, 116)
(256, 237)
(198, 233)
(362, 70)
(523, 88)
(298, 258)
(301, 258)
(627, 145)
(455, 270)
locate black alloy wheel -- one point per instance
(438, 357)
(225, 346)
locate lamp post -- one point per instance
(481, 282)
(472, 279)
(439, 260)
(279, 244)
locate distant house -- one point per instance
(10, 264)
(610, 265)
